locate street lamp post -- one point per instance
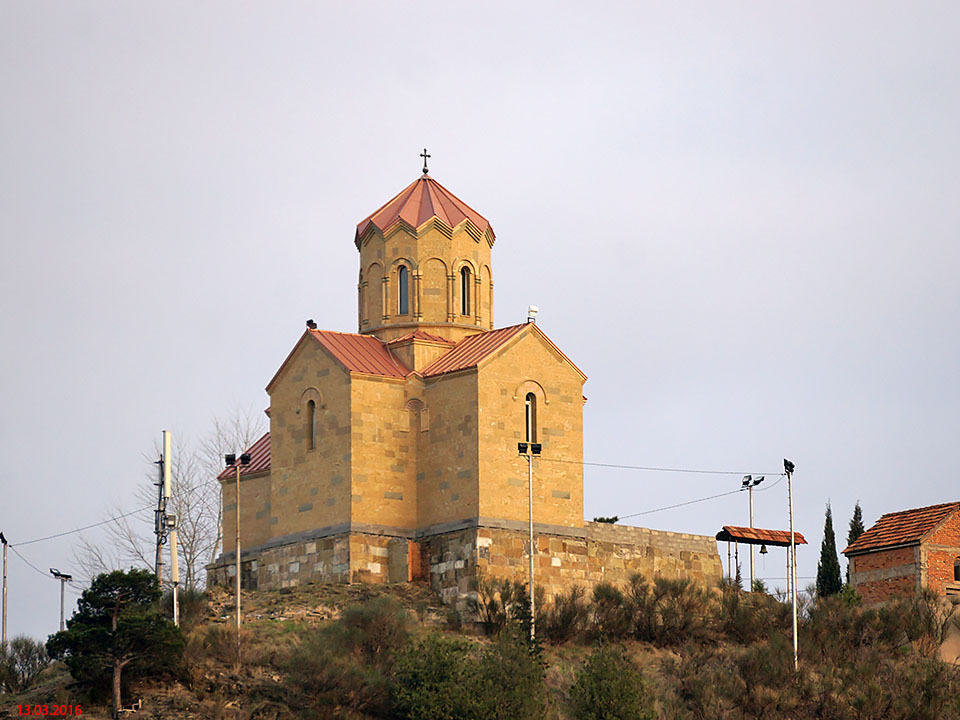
(789, 468)
(231, 461)
(63, 578)
(530, 450)
(749, 483)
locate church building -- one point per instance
(393, 452)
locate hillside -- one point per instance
(336, 651)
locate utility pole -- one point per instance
(3, 643)
(170, 521)
(160, 514)
(231, 461)
(63, 578)
(530, 450)
(750, 483)
(792, 570)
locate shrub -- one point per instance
(376, 629)
(670, 612)
(501, 602)
(567, 617)
(20, 663)
(193, 606)
(449, 678)
(611, 613)
(609, 687)
(749, 617)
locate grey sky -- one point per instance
(739, 219)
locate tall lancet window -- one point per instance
(530, 417)
(403, 283)
(464, 291)
(311, 425)
(956, 570)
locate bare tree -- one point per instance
(195, 500)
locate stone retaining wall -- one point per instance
(451, 560)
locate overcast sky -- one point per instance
(739, 219)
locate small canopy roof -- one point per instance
(759, 536)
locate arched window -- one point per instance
(311, 425)
(403, 301)
(464, 290)
(956, 570)
(530, 418)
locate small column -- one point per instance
(386, 297)
(490, 320)
(478, 282)
(451, 298)
(361, 294)
(417, 280)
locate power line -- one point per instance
(656, 469)
(12, 547)
(85, 527)
(688, 502)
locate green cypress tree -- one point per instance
(828, 569)
(855, 531)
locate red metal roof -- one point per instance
(259, 454)
(421, 335)
(759, 536)
(903, 528)
(471, 350)
(361, 353)
(420, 201)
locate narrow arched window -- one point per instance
(530, 418)
(403, 300)
(464, 291)
(311, 425)
(956, 570)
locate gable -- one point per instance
(353, 353)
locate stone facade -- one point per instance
(395, 447)
(451, 560)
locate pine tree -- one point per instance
(856, 530)
(828, 569)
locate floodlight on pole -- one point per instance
(3, 642)
(231, 461)
(63, 578)
(749, 483)
(792, 570)
(530, 450)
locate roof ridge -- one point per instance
(925, 507)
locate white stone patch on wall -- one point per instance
(555, 561)
(295, 567)
(373, 567)
(378, 551)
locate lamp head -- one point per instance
(230, 459)
(244, 459)
(535, 448)
(788, 466)
(522, 448)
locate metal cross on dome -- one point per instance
(424, 155)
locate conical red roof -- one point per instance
(421, 201)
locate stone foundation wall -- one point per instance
(451, 560)
(603, 553)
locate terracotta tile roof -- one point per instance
(421, 335)
(759, 536)
(360, 353)
(259, 454)
(420, 201)
(471, 350)
(902, 528)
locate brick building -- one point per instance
(392, 452)
(906, 551)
